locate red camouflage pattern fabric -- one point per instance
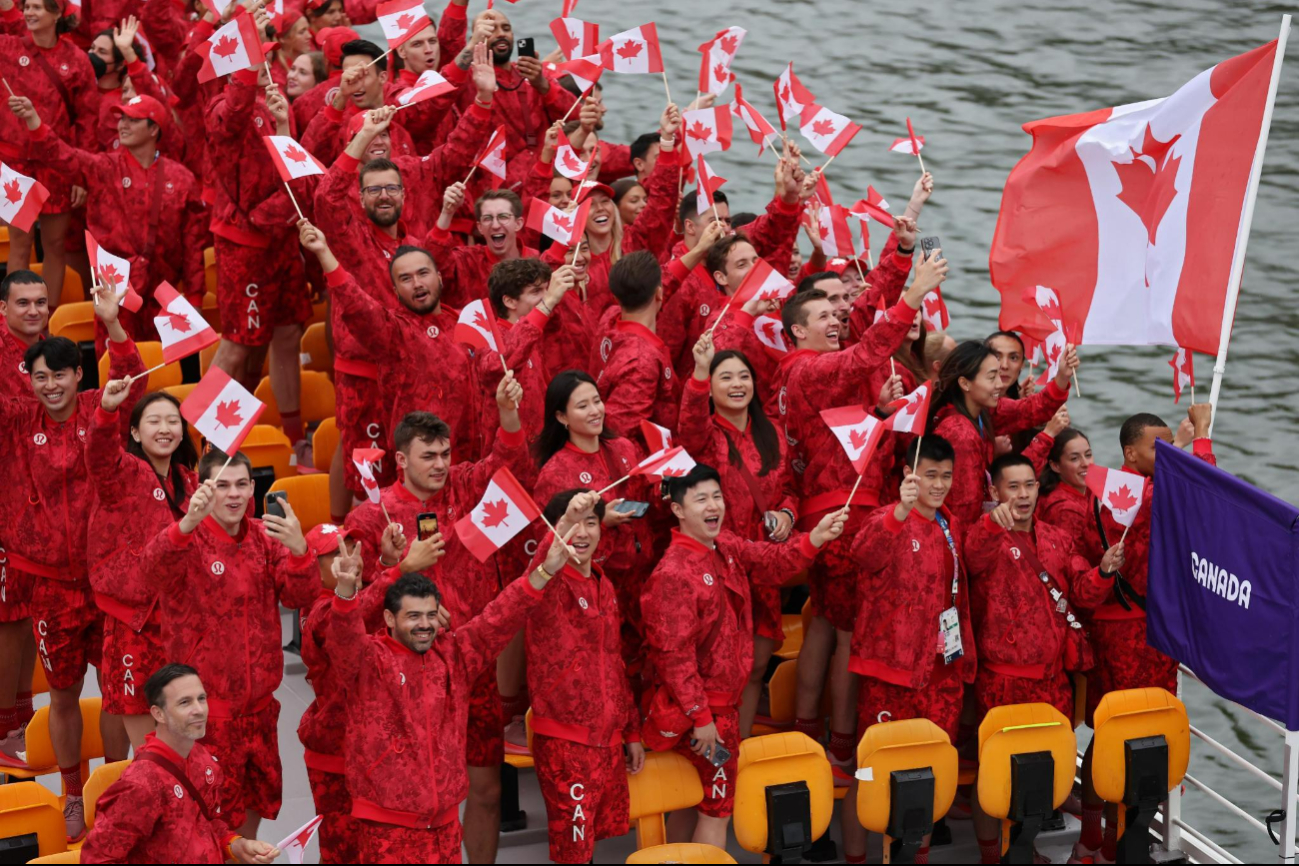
(585, 791)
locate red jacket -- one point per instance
(131, 507)
(699, 620)
(576, 675)
(311, 103)
(46, 502)
(809, 382)
(905, 583)
(974, 450)
(1017, 626)
(407, 713)
(427, 176)
(221, 598)
(147, 817)
(324, 135)
(464, 269)
(14, 381)
(893, 447)
(886, 280)
(525, 113)
(570, 336)
(634, 373)
(1070, 510)
(412, 346)
(523, 354)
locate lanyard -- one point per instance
(951, 545)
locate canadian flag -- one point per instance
(709, 183)
(633, 51)
(934, 311)
(836, 233)
(1118, 490)
(719, 52)
(911, 145)
(367, 465)
(828, 132)
(760, 130)
(561, 226)
(114, 272)
(1133, 214)
(1183, 365)
(477, 327)
(429, 84)
(791, 96)
(585, 71)
(234, 47)
(291, 158)
(492, 159)
(22, 198)
(505, 510)
(857, 430)
(657, 438)
(707, 130)
(911, 413)
(569, 6)
(401, 19)
(771, 331)
(295, 845)
(222, 410)
(576, 38)
(874, 206)
(672, 463)
(862, 240)
(568, 162)
(181, 328)
(764, 282)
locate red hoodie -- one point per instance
(634, 373)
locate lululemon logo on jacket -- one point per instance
(704, 310)
(915, 546)
(581, 602)
(207, 774)
(780, 403)
(218, 568)
(22, 367)
(667, 373)
(158, 494)
(1014, 551)
(126, 183)
(708, 579)
(605, 346)
(585, 478)
(432, 332)
(178, 791)
(39, 439)
(259, 122)
(24, 61)
(403, 678)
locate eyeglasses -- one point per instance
(499, 219)
(391, 189)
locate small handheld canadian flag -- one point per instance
(366, 461)
(113, 272)
(505, 510)
(585, 71)
(760, 129)
(707, 130)
(912, 145)
(827, 131)
(477, 327)
(771, 331)
(558, 225)
(401, 19)
(791, 96)
(657, 438)
(234, 47)
(762, 281)
(1119, 491)
(934, 310)
(222, 410)
(1183, 365)
(576, 38)
(429, 84)
(911, 413)
(672, 463)
(181, 328)
(568, 162)
(291, 159)
(633, 51)
(857, 430)
(719, 52)
(492, 159)
(875, 206)
(836, 233)
(709, 183)
(295, 844)
(21, 198)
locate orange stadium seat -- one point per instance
(667, 783)
(73, 290)
(40, 750)
(151, 355)
(267, 446)
(210, 311)
(316, 402)
(76, 321)
(308, 496)
(100, 780)
(324, 442)
(316, 354)
(29, 807)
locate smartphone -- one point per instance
(717, 755)
(929, 244)
(527, 47)
(629, 506)
(274, 502)
(770, 522)
(428, 525)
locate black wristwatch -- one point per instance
(904, 252)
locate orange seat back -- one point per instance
(667, 783)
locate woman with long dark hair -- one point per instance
(141, 486)
(970, 411)
(1063, 499)
(722, 424)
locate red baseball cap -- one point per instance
(331, 41)
(322, 539)
(144, 108)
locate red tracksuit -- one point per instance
(412, 347)
(311, 103)
(15, 586)
(406, 720)
(464, 270)
(325, 136)
(14, 381)
(699, 637)
(582, 712)
(711, 439)
(974, 446)
(809, 382)
(47, 509)
(634, 373)
(221, 598)
(147, 817)
(904, 583)
(1071, 511)
(523, 354)
(1020, 630)
(427, 176)
(467, 585)
(131, 505)
(893, 447)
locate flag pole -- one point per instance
(7, 87)
(131, 379)
(375, 60)
(1247, 220)
(576, 103)
(857, 262)
(847, 505)
(229, 457)
(718, 320)
(472, 169)
(613, 485)
(665, 85)
(293, 199)
(922, 163)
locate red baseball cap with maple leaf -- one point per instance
(322, 539)
(144, 107)
(331, 41)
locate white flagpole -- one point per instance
(1247, 220)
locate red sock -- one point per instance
(514, 706)
(1092, 834)
(1110, 844)
(24, 707)
(292, 424)
(811, 727)
(71, 780)
(854, 858)
(922, 856)
(8, 720)
(841, 746)
(990, 850)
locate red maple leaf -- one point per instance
(1052, 354)
(369, 483)
(1051, 309)
(571, 162)
(1122, 499)
(824, 126)
(13, 192)
(567, 42)
(825, 233)
(769, 295)
(784, 94)
(563, 223)
(700, 131)
(227, 414)
(225, 47)
(495, 513)
(480, 321)
(911, 407)
(629, 49)
(673, 473)
(933, 307)
(1148, 190)
(729, 44)
(721, 73)
(109, 275)
(858, 439)
(405, 21)
(294, 154)
(178, 322)
(773, 332)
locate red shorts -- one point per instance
(485, 738)
(69, 630)
(248, 749)
(833, 576)
(718, 782)
(388, 843)
(1000, 690)
(129, 659)
(258, 290)
(360, 416)
(15, 592)
(1125, 661)
(585, 789)
(940, 702)
(338, 829)
(767, 621)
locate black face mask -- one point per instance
(97, 63)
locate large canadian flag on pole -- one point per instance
(1138, 215)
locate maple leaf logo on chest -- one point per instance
(225, 47)
(13, 192)
(1148, 180)
(495, 513)
(1122, 499)
(629, 49)
(227, 414)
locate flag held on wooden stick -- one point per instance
(504, 511)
